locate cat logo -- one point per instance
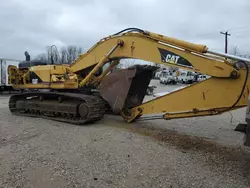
(172, 59)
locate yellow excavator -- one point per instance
(83, 91)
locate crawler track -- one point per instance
(66, 107)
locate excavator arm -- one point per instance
(227, 89)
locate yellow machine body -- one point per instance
(43, 77)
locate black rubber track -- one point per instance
(95, 104)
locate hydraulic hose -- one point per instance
(130, 30)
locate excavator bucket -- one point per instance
(126, 88)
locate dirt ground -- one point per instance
(195, 152)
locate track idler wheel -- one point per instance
(83, 110)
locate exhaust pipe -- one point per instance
(27, 56)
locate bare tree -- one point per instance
(66, 55)
(73, 52)
(235, 50)
(42, 57)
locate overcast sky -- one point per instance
(33, 24)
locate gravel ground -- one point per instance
(195, 152)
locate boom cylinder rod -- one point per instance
(179, 43)
(194, 47)
(229, 56)
(90, 76)
(113, 64)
